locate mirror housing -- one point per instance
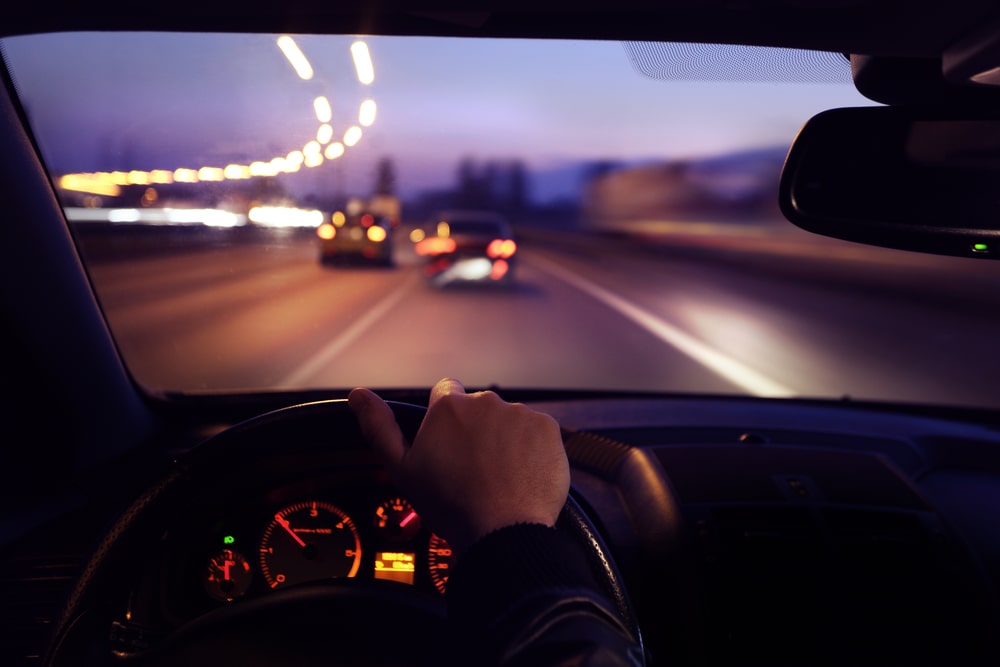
(923, 180)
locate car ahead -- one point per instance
(468, 247)
(784, 449)
(355, 238)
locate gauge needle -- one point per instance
(283, 522)
(407, 519)
(225, 569)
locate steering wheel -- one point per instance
(343, 621)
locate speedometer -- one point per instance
(307, 541)
(440, 558)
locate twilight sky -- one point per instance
(156, 101)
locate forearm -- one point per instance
(525, 595)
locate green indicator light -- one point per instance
(228, 539)
(980, 247)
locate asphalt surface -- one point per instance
(770, 315)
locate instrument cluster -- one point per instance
(300, 535)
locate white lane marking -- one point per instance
(729, 368)
(326, 354)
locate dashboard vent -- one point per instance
(32, 594)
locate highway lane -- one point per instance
(588, 313)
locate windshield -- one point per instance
(213, 184)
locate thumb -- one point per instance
(379, 426)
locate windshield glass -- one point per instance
(285, 212)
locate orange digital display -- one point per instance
(395, 566)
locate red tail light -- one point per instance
(500, 268)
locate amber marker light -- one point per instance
(435, 245)
(326, 231)
(376, 234)
(501, 248)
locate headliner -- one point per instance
(920, 28)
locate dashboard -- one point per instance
(350, 524)
(739, 528)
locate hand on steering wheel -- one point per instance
(477, 463)
(299, 624)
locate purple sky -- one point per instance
(148, 101)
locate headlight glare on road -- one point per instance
(472, 269)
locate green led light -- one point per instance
(228, 539)
(980, 247)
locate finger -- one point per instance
(378, 425)
(443, 388)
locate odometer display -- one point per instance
(308, 541)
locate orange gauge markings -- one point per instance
(309, 541)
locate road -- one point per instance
(684, 314)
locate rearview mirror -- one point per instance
(899, 178)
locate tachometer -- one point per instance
(308, 541)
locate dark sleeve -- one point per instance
(525, 595)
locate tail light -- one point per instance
(435, 245)
(501, 249)
(499, 270)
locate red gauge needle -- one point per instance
(283, 522)
(225, 568)
(407, 519)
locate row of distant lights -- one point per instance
(265, 216)
(313, 154)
